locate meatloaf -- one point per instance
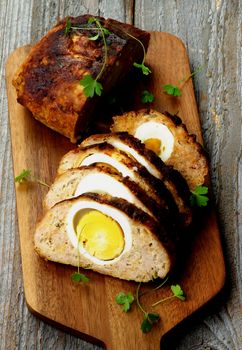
(48, 82)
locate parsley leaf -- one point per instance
(143, 67)
(178, 292)
(26, 175)
(149, 320)
(147, 97)
(172, 90)
(91, 20)
(125, 299)
(106, 31)
(91, 86)
(68, 26)
(95, 37)
(79, 277)
(198, 196)
(23, 175)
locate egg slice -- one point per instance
(126, 143)
(101, 157)
(105, 234)
(98, 178)
(100, 233)
(157, 137)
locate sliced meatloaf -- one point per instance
(171, 179)
(175, 145)
(147, 252)
(102, 179)
(105, 153)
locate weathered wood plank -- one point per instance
(211, 33)
(210, 30)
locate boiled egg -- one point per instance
(156, 137)
(99, 231)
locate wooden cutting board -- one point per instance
(89, 310)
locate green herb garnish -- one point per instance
(149, 318)
(143, 67)
(198, 196)
(172, 90)
(23, 176)
(125, 299)
(68, 26)
(147, 97)
(77, 276)
(177, 293)
(91, 86)
(26, 175)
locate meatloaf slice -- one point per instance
(48, 82)
(148, 252)
(186, 155)
(102, 179)
(167, 179)
(120, 161)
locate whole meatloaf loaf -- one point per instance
(48, 82)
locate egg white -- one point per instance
(104, 183)
(104, 158)
(123, 147)
(82, 207)
(153, 130)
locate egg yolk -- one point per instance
(100, 235)
(154, 145)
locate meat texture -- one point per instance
(48, 82)
(187, 155)
(150, 254)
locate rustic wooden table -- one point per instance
(211, 31)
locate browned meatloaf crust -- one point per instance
(48, 81)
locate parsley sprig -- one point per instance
(77, 276)
(125, 299)
(198, 196)
(93, 86)
(147, 97)
(26, 175)
(149, 318)
(145, 70)
(172, 90)
(176, 91)
(177, 293)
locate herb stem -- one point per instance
(137, 299)
(140, 42)
(34, 179)
(184, 80)
(161, 301)
(105, 50)
(85, 28)
(156, 288)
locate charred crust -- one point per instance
(178, 122)
(47, 82)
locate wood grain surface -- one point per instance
(37, 148)
(212, 35)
